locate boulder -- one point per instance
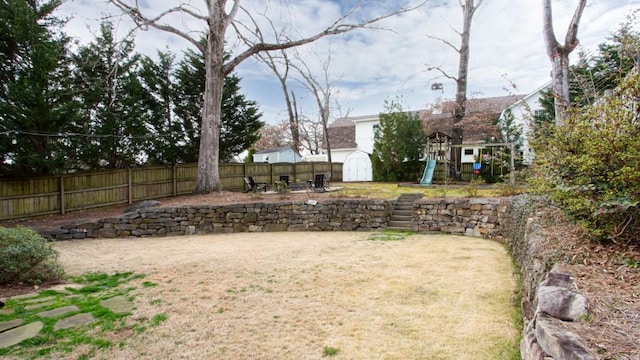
(558, 342)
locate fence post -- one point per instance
(62, 197)
(174, 174)
(129, 186)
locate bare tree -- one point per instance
(469, 8)
(323, 92)
(311, 135)
(219, 18)
(272, 136)
(559, 55)
(283, 75)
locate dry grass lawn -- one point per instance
(301, 295)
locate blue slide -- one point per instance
(427, 176)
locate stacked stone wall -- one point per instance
(479, 217)
(332, 215)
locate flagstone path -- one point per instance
(15, 331)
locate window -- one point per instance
(468, 151)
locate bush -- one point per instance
(25, 256)
(591, 164)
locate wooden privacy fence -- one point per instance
(61, 194)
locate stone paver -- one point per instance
(118, 304)
(17, 335)
(75, 320)
(39, 300)
(39, 305)
(6, 325)
(59, 311)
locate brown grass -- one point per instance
(289, 295)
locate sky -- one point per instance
(370, 66)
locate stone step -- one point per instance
(400, 224)
(396, 217)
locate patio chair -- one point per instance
(318, 183)
(253, 186)
(285, 178)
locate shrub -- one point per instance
(591, 164)
(25, 256)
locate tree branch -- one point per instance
(334, 29)
(144, 22)
(444, 42)
(571, 40)
(444, 73)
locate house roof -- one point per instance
(342, 134)
(274, 150)
(477, 124)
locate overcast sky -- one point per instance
(369, 66)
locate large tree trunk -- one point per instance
(208, 177)
(559, 56)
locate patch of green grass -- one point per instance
(158, 319)
(155, 302)
(390, 235)
(330, 351)
(149, 284)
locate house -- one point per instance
(351, 137)
(277, 155)
(523, 111)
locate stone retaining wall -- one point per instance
(479, 217)
(332, 215)
(474, 217)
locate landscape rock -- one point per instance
(561, 303)
(558, 342)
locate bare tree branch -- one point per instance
(144, 23)
(334, 29)
(444, 42)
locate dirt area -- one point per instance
(290, 295)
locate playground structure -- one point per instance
(443, 165)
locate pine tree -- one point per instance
(114, 112)
(36, 101)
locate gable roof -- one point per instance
(342, 134)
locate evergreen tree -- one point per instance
(157, 79)
(36, 102)
(399, 145)
(114, 103)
